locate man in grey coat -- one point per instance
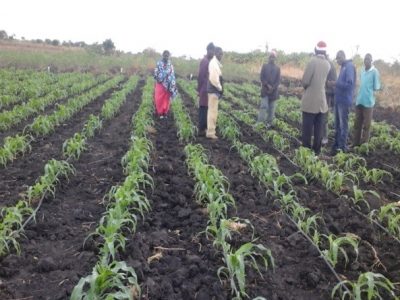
(313, 102)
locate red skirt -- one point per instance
(161, 99)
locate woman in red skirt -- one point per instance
(165, 87)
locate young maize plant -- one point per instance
(73, 147)
(246, 151)
(348, 161)
(369, 286)
(93, 123)
(129, 193)
(211, 189)
(109, 230)
(378, 129)
(186, 129)
(375, 175)
(223, 230)
(211, 185)
(53, 170)
(365, 148)
(42, 125)
(112, 106)
(390, 215)
(108, 281)
(138, 156)
(236, 260)
(286, 128)
(359, 197)
(143, 119)
(13, 146)
(336, 244)
(229, 129)
(11, 226)
(265, 169)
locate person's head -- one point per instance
(165, 56)
(368, 61)
(210, 50)
(340, 57)
(320, 48)
(272, 56)
(219, 53)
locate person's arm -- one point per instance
(348, 80)
(263, 76)
(277, 79)
(202, 75)
(377, 81)
(307, 76)
(159, 73)
(214, 74)
(156, 71)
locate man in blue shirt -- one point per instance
(344, 89)
(369, 83)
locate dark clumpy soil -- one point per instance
(171, 256)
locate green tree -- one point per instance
(3, 35)
(108, 46)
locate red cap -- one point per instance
(321, 46)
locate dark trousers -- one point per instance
(203, 118)
(341, 126)
(330, 99)
(362, 124)
(312, 125)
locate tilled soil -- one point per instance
(53, 257)
(169, 251)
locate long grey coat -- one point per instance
(314, 78)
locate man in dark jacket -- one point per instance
(270, 79)
(344, 91)
(202, 80)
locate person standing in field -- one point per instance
(330, 99)
(344, 89)
(215, 91)
(270, 78)
(369, 83)
(202, 81)
(165, 87)
(313, 102)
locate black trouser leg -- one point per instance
(203, 118)
(307, 127)
(319, 122)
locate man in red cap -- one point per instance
(313, 102)
(270, 79)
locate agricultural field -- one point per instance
(102, 200)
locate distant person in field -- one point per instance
(313, 102)
(165, 88)
(270, 79)
(369, 83)
(330, 99)
(344, 90)
(202, 81)
(215, 91)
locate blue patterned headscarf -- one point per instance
(164, 74)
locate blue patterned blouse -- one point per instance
(164, 74)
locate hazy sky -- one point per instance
(186, 27)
